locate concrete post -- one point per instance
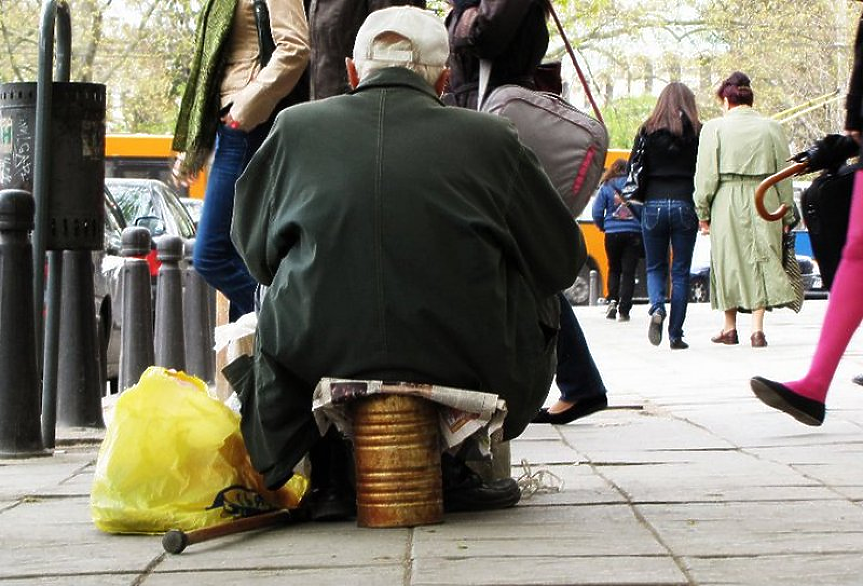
(593, 295)
(136, 346)
(79, 395)
(200, 358)
(170, 344)
(20, 429)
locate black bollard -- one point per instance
(136, 345)
(170, 347)
(20, 428)
(79, 396)
(200, 358)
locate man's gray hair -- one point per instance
(401, 54)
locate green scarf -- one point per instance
(198, 118)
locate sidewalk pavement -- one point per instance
(686, 479)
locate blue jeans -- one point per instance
(215, 257)
(664, 222)
(577, 376)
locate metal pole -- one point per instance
(53, 14)
(593, 295)
(170, 345)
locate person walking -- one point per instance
(669, 139)
(513, 36)
(623, 243)
(804, 399)
(735, 154)
(228, 108)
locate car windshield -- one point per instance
(138, 199)
(135, 200)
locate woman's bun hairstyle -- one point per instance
(736, 89)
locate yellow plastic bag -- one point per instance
(173, 458)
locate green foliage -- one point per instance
(623, 117)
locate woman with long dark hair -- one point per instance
(670, 144)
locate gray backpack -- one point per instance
(570, 145)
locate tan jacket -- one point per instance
(252, 92)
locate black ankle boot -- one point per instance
(332, 494)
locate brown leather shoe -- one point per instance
(729, 337)
(758, 340)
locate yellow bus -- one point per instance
(147, 156)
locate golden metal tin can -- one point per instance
(397, 455)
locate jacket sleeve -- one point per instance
(547, 237)
(252, 225)
(256, 102)
(599, 205)
(706, 171)
(489, 28)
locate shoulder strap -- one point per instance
(484, 75)
(266, 44)
(569, 50)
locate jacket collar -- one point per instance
(396, 77)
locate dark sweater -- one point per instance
(669, 165)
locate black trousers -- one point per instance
(623, 249)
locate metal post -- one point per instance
(20, 434)
(79, 396)
(170, 345)
(200, 358)
(593, 295)
(53, 14)
(136, 347)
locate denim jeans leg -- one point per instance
(684, 231)
(654, 228)
(215, 257)
(577, 376)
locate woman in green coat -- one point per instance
(735, 153)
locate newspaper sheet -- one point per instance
(462, 413)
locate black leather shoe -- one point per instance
(678, 344)
(331, 504)
(581, 408)
(778, 396)
(464, 489)
(858, 379)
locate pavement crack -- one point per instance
(151, 567)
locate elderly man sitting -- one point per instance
(400, 240)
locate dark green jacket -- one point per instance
(401, 240)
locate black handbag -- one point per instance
(633, 188)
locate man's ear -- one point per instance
(353, 78)
(442, 81)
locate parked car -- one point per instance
(154, 205)
(194, 206)
(107, 264)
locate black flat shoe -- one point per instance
(581, 408)
(778, 396)
(678, 344)
(858, 380)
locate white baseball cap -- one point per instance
(422, 28)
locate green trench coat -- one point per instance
(400, 240)
(735, 153)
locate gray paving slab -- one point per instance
(359, 576)
(550, 571)
(757, 528)
(778, 570)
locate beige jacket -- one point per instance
(252, 92)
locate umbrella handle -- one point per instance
(795, 169)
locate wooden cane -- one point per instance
(795, 169)
(176, 540)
